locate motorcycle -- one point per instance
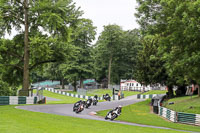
(113, 114)
(95, 100)
(78, 107)
(88, 103)
(107, 97)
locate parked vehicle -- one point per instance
(107, 97)
(113, 114)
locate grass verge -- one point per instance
(21, 121)
(140, 113)
(101, 92)
(188, 104)
(155, 92)
(62, 98)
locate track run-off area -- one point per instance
(90, 113)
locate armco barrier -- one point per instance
(180, 117)
(139, 96)
(186, 118)
(14, 100)
(167, 113)
(71, 94)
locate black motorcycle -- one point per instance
(113, 114)
(95, 100)
(107, 97)
(88, 103)
(78, 107)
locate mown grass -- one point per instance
(140, 113)
(101, 92)
(155, 92)
(14, 120)
(188, 104)
(63, 99)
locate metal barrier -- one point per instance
(139, 96)
(14, 100)
(180, 117)
(167, 113)
(71, 94)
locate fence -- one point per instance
(13, 100)
(167, 113)
(180, 117)
(139, 96)
(115, 97)
(71, 94)
(113, 86)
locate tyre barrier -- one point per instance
(14, 100)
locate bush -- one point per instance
(5, 90)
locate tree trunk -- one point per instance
(75, 89)
(26, 52)
(81, 82)
(63, 84)
(198, 91)
(170, 91)
(109, 69)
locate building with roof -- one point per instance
(132, 85)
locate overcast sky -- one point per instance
(104, 12)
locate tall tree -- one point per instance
(29, 17)
(108, 44)
(176, 23)
(80, 65)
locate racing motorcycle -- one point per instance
(88, 103)
(78, 107)
(107, 97)
(113, 114)
(95, 100)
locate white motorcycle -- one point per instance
(113, 114)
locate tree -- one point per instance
(115, 54)
(128, 54)
(150, 66)
(54, 18)
(79, 65)
(175, 22)
(108, 46)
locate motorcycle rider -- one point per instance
(88, 103)
(107, 97)
(77, 104)
(95, 100)
(116, 111)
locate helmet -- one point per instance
(120, 106)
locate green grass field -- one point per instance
(14, 120)
(155, 92)
(101, 92)
(67, 100)
(62, 98)
(186, 104)
(140, 113)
